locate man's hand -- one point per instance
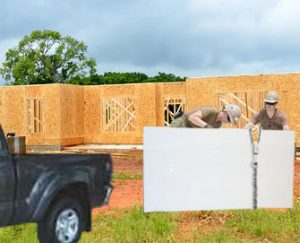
(249, 125)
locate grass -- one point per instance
(274, 226)
(127, 176)
(24, 233)
(257, 226)
(133, 225)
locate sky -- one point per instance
(189, 38)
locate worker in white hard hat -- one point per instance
(208, 117)
(269, 118)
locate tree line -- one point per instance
(127, 77)
(48, 57)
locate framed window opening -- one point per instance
(172, 106)
(119, 114)
(35, 113)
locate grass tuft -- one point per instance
(127, 176)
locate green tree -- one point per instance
(122, 78)
(47, 57)
(165, 77)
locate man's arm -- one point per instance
(253, 121)
(249, 125)
(196, 120)
(285, 123)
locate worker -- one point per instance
(208, 117)
(269, 118)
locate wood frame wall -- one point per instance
(72, 114)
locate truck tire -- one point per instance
(63, 223)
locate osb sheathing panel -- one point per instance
(144, 96)
(12, 107)
(288, 87)
(62, 111)
(93, 117)
(71, 103)
(167, 91)
(199, 92)
(50, 96)
(146, 109)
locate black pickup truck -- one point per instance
(57, 191)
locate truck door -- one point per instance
(7, 183)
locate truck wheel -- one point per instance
(63, 223)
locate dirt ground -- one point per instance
(128, 193)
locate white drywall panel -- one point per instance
(196, 169)
(275, 169)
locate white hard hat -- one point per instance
(271, 97)
(234, 112)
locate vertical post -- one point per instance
(254, 165)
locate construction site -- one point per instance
(62, 118)
(54, 116)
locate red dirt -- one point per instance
(128, 193)
(128, 162)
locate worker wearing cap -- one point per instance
(208, 117)
(270, 118)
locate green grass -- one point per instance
(132, 225)
(127, 176)
(24, 233)
(274, 226)
(258, 226)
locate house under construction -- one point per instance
(57, 115)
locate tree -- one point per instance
(165, 77)
(47, 57)
(122, 78)
(112, 78)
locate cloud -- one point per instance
(188, 38)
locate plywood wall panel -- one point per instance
(72, 112)
(13, 109)
(145, 109)
(51, 106)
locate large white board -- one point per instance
(207, 169)
(276, 169)
(196, 169)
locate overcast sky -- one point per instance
(190, 38)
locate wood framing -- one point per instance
(119, 114)
(172, 106)
(35, 108)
